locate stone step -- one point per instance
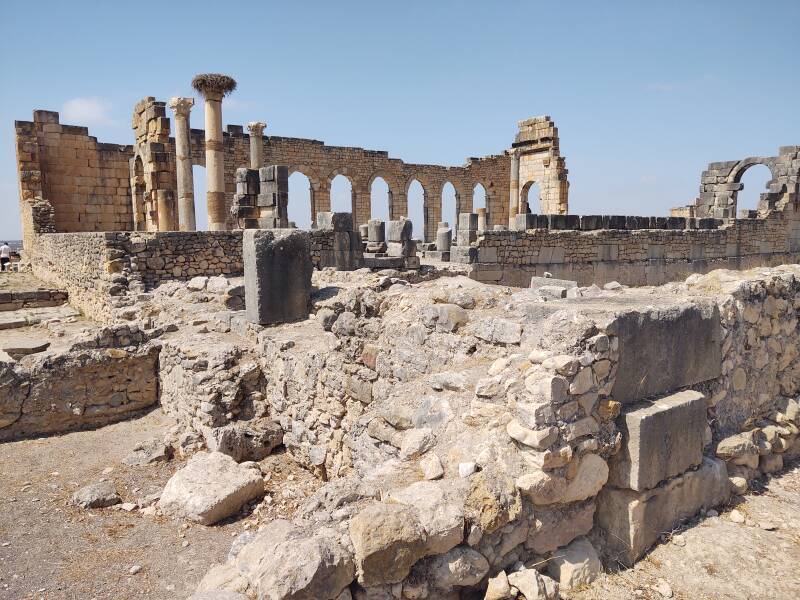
(15, 319)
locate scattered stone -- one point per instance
(96, 495)
(147, 452)
(575, 565)
(209, 488)
(736, 516)
(663, 588)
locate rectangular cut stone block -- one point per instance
(399, 231)
(277, 275)
(633, 521)
(337, 221)
(660, 439)
(468, 221)
(537, 282)
(666, 349)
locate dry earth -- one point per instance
(50, 549)
(715, 558)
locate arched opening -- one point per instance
(139, 189)
(342, 195)
(200, 200)
(300, 193)
(532, 195)
(449, 205)
(478, 197)
(379, 199)
(754, 180)
(416, 209)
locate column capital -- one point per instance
(256, 128)
(513, 152)
(181, 106)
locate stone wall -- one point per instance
(86, 182)
(635, 256)
(540, 162)
(75, 389)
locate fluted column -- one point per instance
(256, 129)
(213, 86)
(183, 163)
(514, 201)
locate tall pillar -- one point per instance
(183, 163)
(514, 201)
(256, 129)
(214, 87)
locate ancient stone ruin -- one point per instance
(501, 407)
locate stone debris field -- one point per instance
(512, 406)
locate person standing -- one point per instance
(5, 256)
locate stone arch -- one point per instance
(479, 196)
(139, 191)
(349, 176)
(450, 204)
(390, 199)
(532, 187)
(419, 218)
(735, 180)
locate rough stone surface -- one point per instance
(635, 520)
(209, 488)
(660, 439)
(96, 495)
(575, 565)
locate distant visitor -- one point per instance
(5, 256)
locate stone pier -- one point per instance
(514, 203)
(183, 163)
(214, 87)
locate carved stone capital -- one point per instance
(256, 128)
(181, 106)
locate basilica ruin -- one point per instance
(497, 408)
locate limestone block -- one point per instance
(399, 231)
(662, 350)
(277, 275)
(660, 439)
(538, 282)
(209, 488)
(635, 520)
(337, 221)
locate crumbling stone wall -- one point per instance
(540, 162)
(90, 384)
(720, 184)
(85, 182)
(637, 256)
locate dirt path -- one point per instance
(719, 559)
(51, 549)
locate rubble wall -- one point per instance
(635, 257)
(78, 388)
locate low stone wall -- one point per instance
(54, 393)
(633, 257)
(16, 300)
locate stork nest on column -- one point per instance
(214, 82)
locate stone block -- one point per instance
(537, 282)
(633, 521)
(616, 222)
(277, 272)
(465, 237)
(376, 231)
(337, 221)
(399, 231)
(591, 222)
(467, 222)
(666, 349)
(660, 439)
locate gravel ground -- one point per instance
(50, 549)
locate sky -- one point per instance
(644, 94)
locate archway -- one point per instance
(449, 205)
(200, 200)
(754, 180)
(478, 197)
(139, 190)
(342, 195)
(300, 206)
(380, 199)
(416, 209)
(532, 195)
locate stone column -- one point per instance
(481, 212)
(514, 204)
(256, 129)
(213, 87)
(183, 163)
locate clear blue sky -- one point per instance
(644, 94)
